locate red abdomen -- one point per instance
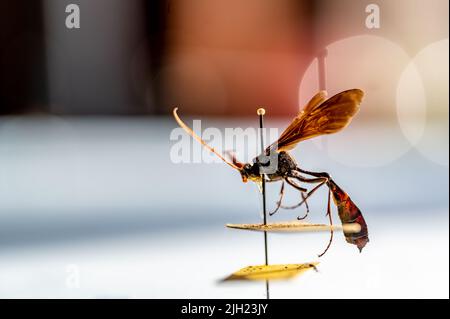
(349, 213)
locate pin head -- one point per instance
(261, 111)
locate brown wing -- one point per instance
(321, 117)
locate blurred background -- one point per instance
(92, 205)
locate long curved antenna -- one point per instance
(199, 139)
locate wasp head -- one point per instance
(251, 172)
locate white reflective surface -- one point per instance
(95, 208)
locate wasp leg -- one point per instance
(325, 179)
(315, 174)
(331, 224)
(306, 206)
(316, 180)
(301, 189)
(303, 200)
(279, 200)
(320, 180)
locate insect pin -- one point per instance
(319, 117)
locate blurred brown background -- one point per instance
(210, 57)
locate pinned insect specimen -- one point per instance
(320, 116)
